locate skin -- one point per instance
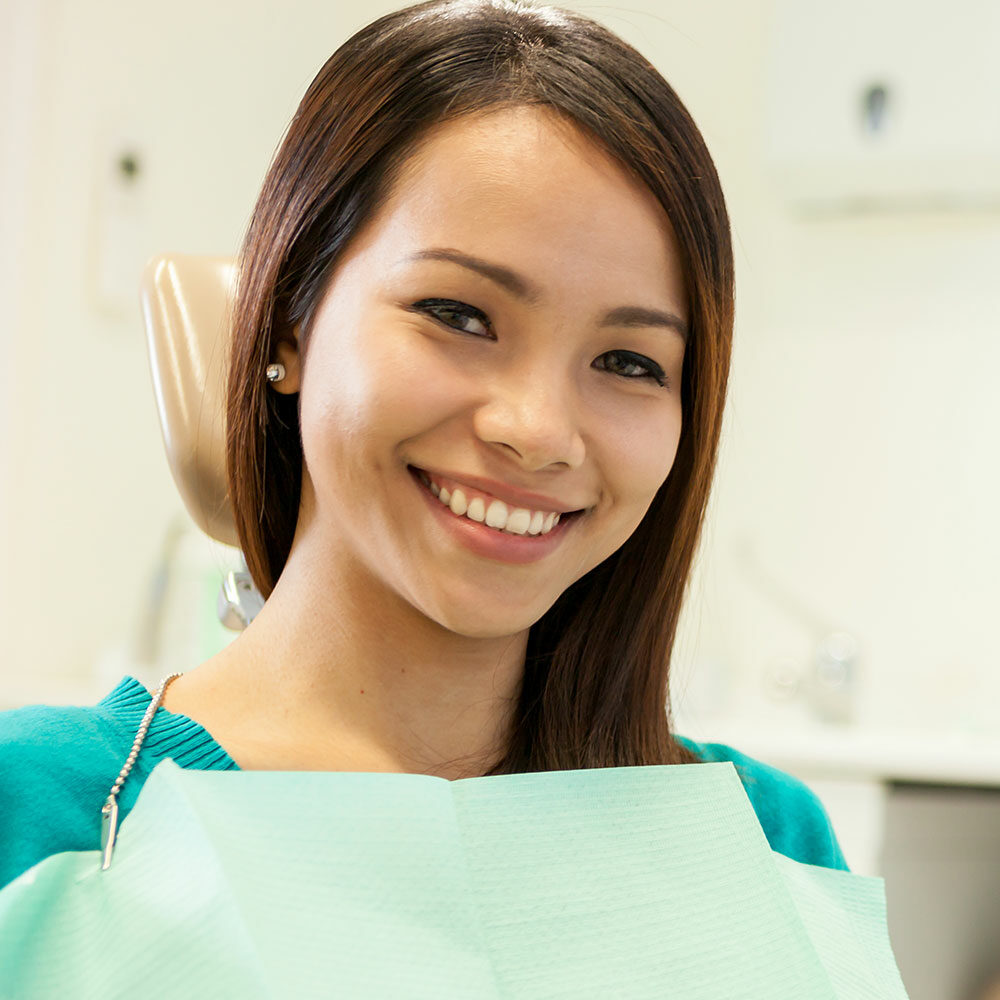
(387, 645)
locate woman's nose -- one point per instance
(535, 416)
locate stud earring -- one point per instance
(275, 373)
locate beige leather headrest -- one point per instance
(186, 305)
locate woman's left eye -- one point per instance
(630, 365)
(457, 315)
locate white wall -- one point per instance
(858, 467)
(20, 41)
(202, 92)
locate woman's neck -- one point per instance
(330, 678)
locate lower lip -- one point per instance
(489, 542)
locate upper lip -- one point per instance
(511, 495)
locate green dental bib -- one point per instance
(620, 882)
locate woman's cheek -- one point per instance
(428, 386)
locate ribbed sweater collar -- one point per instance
(187, 742)
(170, 735)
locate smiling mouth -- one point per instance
(474, 505)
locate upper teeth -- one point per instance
(495, 513)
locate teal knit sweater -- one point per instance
(58, 763)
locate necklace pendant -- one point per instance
(109, 830)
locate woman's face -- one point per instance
(508, 328)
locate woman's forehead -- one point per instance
(522, 184)
(524, 155)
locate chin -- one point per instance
(474, 624)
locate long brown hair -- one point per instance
(595, 685)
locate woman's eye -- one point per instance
(456, 315)
(630, 365)
(469, 319)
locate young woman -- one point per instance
(479, 360)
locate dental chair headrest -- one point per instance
(186, 305)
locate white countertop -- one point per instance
(852, 752)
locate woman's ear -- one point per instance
(286, 353)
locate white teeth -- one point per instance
(477, 510)
(516, 521)
(459, 505)
(496, 516)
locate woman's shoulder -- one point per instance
(790, 813)
(57, 764)
(39, 744)
(47, 743)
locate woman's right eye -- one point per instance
(457, 316)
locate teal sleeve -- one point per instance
(791, 815)
(54, 767)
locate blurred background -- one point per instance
(839, 620)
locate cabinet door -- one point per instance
(941, 863)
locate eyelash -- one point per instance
(435, 307)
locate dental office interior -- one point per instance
(841, 624)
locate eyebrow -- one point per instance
(523, 288)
